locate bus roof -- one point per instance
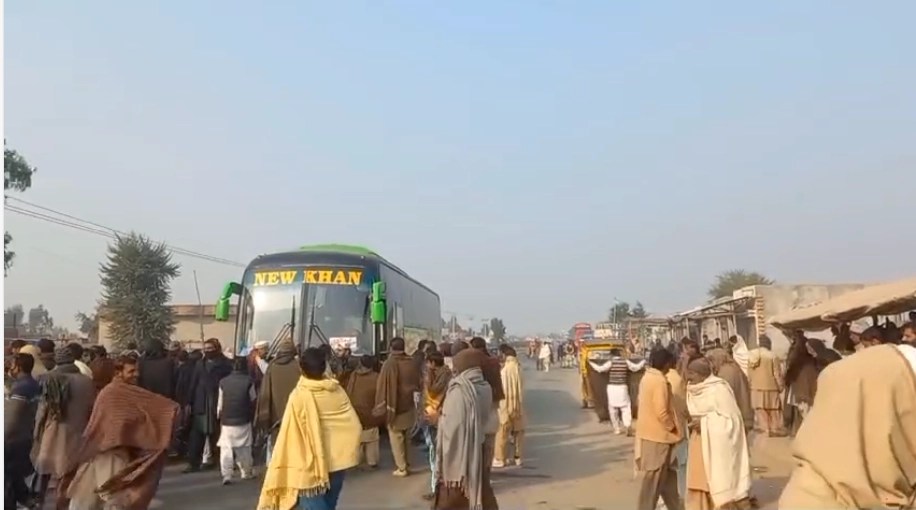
(341, 248)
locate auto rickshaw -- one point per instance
(599, 351)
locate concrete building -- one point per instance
(749, 309)
(191, 323)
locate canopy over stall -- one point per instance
(883, 299)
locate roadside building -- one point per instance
(192, 324)
(748, 310)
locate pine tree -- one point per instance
(136, 290)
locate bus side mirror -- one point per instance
(223, 305)
(378, 311)
(222, 310)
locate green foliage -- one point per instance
(17, 176)
(497, 329)
(622, 311)
(40, 321)
(727, 282)
(89, 324)
(136, 290)
(14, 315)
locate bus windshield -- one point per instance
(338, 314)
(266, 312)
(324, 305)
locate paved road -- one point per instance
(571, 462)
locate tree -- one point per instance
(622, 311)
(17, 176)
(89, 324)
(497, 329)
(135, 290)
(727, 282)
(14, 315)
(638, 311)
(618, 312)
(40, 321)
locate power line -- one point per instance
(73, 222)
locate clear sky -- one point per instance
(527, 159)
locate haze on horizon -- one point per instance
(527, 160)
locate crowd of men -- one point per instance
(99, 430)
(701, 406)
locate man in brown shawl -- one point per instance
(361, 385)
(857, 446)
(462, 475)
(63, 412)
(125, 444)
(394, 400)
(278, 382)
(800, 381)
(492, 371)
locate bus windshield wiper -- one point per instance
(313, 327)
(287, 329)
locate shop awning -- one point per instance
(883, 299)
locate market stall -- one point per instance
(890, 298)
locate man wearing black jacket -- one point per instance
(202, 405)
(157, 370)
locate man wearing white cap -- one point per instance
(260, 355)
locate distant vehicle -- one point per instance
(580, 332)
(610, 331)
(337, 294)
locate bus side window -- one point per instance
(245, 321)
(397, 320)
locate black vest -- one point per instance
(238, 409)
(619, 371)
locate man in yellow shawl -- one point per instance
(857, 446)
(511, 410)
(318, 441)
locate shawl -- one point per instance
(128, 416)
(725, 368)
(726, 459)
(857, 446)
(361, 390)
(460, 437)
(741, 354)
(281, 377)
(55, 390)
(387, 401)
(471, 358)
(319, 435)
(511, 407)
(436, 384)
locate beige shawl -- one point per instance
(741, 355)
(725, 454)
(511, 408)
(857, 446)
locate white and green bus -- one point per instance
(336, 294)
